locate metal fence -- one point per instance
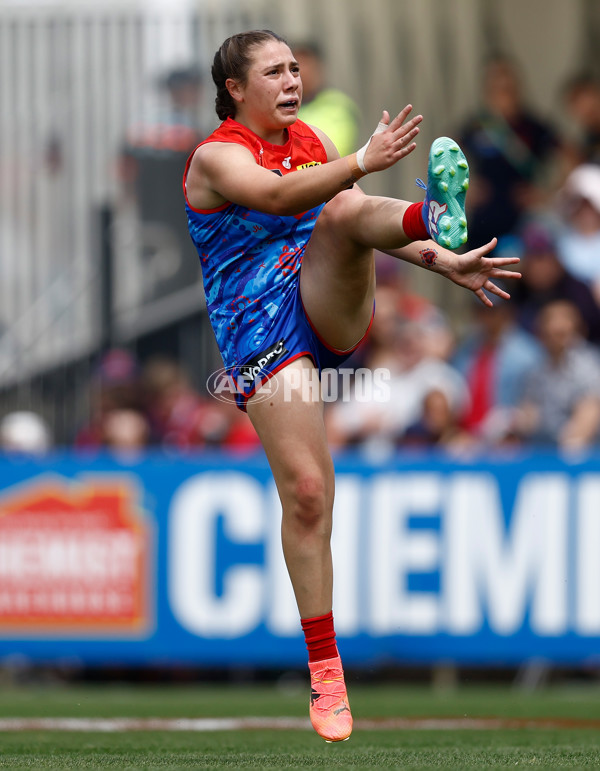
(74, 78)
(71, 82)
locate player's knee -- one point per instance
(341, 208)
(311, 500)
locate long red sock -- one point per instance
(413, 223)
(320, 637)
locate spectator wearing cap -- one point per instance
(546, 279)
(176, 128)
(165, 137)
(579, 241)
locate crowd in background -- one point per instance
(524, 373)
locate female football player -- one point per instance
(286, 240)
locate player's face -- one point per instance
(269, 99)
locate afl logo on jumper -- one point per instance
(252, 369)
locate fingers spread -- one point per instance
(401, 117)
(407, 150)
(491, 287)
(490, 246)
(484, 298)
(398, 121)
(498, 273)
(497, 261)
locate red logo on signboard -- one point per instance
(74, 557)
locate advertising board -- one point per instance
(178, 561)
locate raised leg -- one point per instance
(337, 279)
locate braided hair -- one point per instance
(233, 60)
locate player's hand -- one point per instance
(475, 270)
(392, 140)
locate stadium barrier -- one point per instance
(171, 561)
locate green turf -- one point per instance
(402, 749)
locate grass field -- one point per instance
(556, 727)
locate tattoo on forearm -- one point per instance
(428, 257)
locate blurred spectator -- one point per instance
(168, 137)
(545, 279)
(241, 437)
(114, 386)
(328, 108)
(579, 240)
(156, 255)
(510, 151)
(180, 417)
(176, 128)
(439, 425)
(582, 97)
(396, 349)
(561, 402)
(437, 335)
(126, 432)
(495, 359)
(24, 432)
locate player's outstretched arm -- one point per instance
(222, 172)
(474, 270)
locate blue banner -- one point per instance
(170, 561)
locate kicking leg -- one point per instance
(337, 280)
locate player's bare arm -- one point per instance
(473, 270)
(222, 172)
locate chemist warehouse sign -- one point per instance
(179, 561)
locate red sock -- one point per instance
(413, 223)
(320, 637)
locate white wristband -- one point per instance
(360, 154)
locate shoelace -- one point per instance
(336, 689)
(419, 183)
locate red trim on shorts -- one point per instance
(338, 351)
(269, 375)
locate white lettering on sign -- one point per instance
(496, 572)
(535, 566)
(396, 550)
(75, 557)
(198, 503)
(587, 550)
(36, 557)
(347, 538)
(282, 614)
